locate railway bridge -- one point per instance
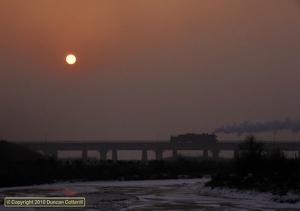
(51, 148)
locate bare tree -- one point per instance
(250, 148)
(251, 156)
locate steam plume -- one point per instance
(256, 127)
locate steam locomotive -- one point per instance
(194, 138)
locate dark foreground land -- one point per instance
(253, 169)
(21, 172)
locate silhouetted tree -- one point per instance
(251, 157)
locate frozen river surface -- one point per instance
(173, 195)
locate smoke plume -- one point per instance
(257, 127)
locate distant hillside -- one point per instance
(11, 151)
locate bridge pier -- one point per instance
(115, 155)
(84, 155)
(144, 156)
(235, 153)
(174, 154)
(103, 154)
(269, 152)
(205, 154)
(159, 153)
(215, 154)
(55, 154)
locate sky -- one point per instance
(145, 67)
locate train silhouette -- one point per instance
(194, 138)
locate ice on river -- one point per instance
(175, 195)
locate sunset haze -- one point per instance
(144, 67)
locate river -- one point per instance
(168, 195)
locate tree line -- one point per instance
(254, 168)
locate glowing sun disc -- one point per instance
(70, 59)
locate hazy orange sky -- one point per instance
(146, 66)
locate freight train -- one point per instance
(194, 138)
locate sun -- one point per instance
(71, 59)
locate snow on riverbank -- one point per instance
(181, 194)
